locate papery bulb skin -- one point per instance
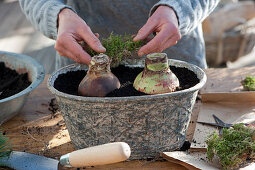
(156, 78)
(99, 80)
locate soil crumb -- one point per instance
(69, 82)
(185, 146)
(11, 82)
(53, 106)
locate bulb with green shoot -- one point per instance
(156, 78)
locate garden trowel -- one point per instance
(92, 156)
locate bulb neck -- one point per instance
(99, 64)
(156, 62)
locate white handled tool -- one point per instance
(97, 155)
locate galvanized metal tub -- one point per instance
(149, 124)
(11, 106)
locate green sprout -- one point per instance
(118, 48)
(249, 83)
(233, 147)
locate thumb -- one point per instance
(145, 31)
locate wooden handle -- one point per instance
(100, 155)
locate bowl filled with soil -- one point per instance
(150, 124)
(19, 75)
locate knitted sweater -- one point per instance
(127, 16)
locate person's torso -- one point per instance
(118, 16)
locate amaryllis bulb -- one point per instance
(156, 78)
(99, 80)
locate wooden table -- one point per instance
(37, 130)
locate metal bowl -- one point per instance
(11, 106)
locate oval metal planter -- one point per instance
(149, 124)
(11, 106)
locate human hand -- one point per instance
(165, 23)
(71, 30)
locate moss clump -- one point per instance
(5, 147)
(118, 48)
(249, 83)
(233, 147)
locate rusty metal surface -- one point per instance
(149, 124)
(11, 106)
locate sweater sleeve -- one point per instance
(43, 14)
(190, 13)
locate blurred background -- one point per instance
(229, 35)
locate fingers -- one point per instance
(68, 47)
(163, 21)
(146, 30)
(92, 40)
(151, 48)
(164, 39)
(171, 41)
(85, 45)
(69, 55)
(71, 30)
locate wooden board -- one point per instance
(225, 79)
(224, 85)
(192, 161)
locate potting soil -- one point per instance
(17, 82)
(69, 82)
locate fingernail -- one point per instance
(141, 54)
(136, 38)
(102, 48)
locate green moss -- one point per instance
(233, 146)
(249, 83)
(118, 48)
(5, 147)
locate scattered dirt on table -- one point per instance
(185, 146)
(41, 140)
(69, 82)
(11, 82)
(53, 107)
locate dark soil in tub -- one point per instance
(69, 82)
(11, 82)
